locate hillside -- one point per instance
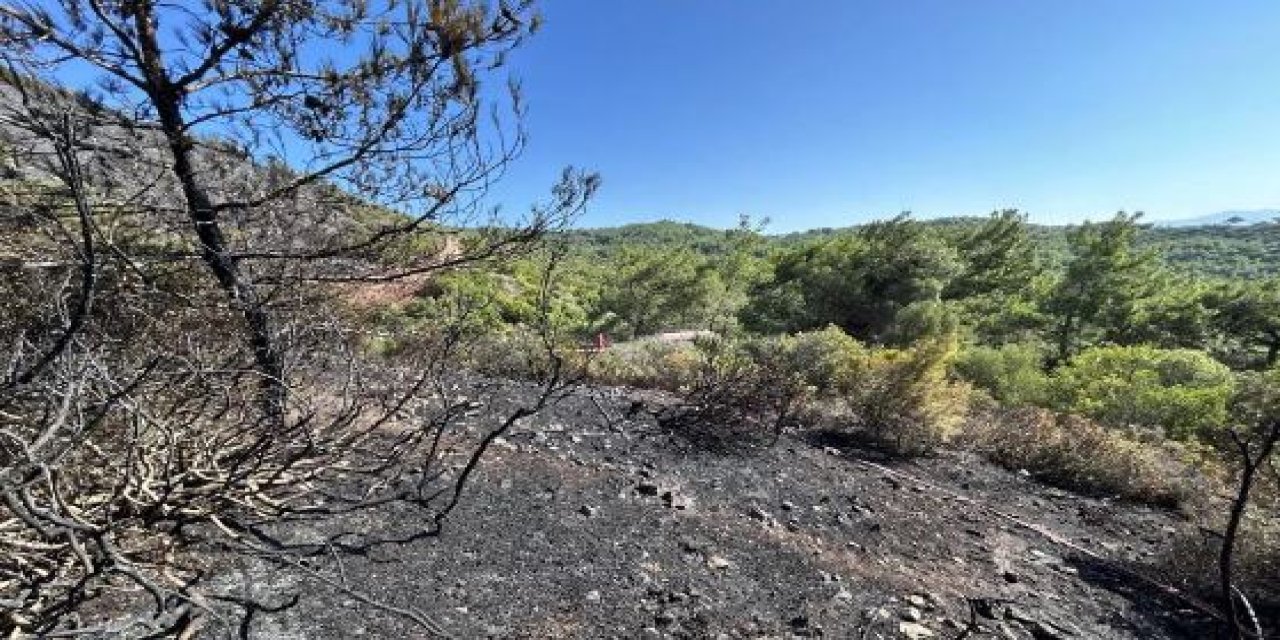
(285, 358)
(582, 526)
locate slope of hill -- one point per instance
(579, 526)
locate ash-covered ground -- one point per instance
(582, 526)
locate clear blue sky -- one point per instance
(830, 112)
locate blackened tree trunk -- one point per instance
(167, 98)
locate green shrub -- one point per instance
(1184, 392)
(650, 364)
(903, 396)
(1013, 373)
(819, 358)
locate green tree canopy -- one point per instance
(1104, 281)
(858, 282)
(648, 289)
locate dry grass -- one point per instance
(1078, 454)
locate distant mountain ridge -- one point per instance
(1225, 218)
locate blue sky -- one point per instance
(831, 112)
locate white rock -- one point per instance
(914, 630)
(718, 562)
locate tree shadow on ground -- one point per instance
(717, 430)
(1155, 607)
(851, 442)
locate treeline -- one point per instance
(995, 282)
(1227, 251)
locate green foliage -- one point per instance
(663, 234)
(1184, 392)
(819, 358)
(1223, 252)
(1248, 317)
(1256, 403)
(650, 364)
(923, 320)
(858, 282)
(650, 290)
(998, 257)
(1013, 373)
(1104, 281)
(903, 397)
(1179, 313)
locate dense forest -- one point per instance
(997, 281)
(1230, 251)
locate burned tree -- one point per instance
(177, 243)
(1255, 440)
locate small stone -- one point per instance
(787, 505)
(914, 630)
(593, 596)
(843, 595)
(676, 501)
(587, 510)
(918, 601)
(1010, 577)
(647, 489)
(912, 614)
(759, 514)
(718, 562)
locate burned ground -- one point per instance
(582, 526)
